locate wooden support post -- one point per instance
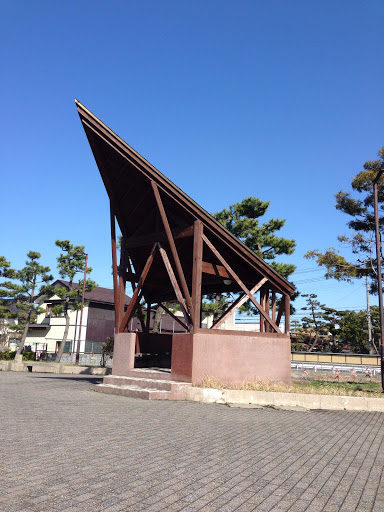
(281, 311)
(174, 283)
(262, 303)
(287, 301)
(133, 284)
(240, 283)
(197, 274)
(122, 278)
(114, 268)
(148, 319)
(236, 304)
(135, 295)
(172, 245)
(274, 305)
(266, 308)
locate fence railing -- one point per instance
(321, 357)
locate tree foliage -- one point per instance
(320, 317)
(21, 289)
(6, 313)
(362, 224)
(243, 220)
(353, 329)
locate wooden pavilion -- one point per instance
(173, 250)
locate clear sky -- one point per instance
(279, 100)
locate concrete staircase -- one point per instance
(148, 384)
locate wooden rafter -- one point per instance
(172, 245)
(237, 304)
(240, 283)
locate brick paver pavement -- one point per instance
(65, 447)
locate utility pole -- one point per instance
(371, 350)
(81, 313)
(379, 279)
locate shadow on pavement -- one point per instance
(92, 379)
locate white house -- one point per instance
(97, 322)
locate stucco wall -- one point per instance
(231, 359)
(55, 331)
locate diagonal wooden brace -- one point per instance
(173, 316)
(174, 283)
(237, 303)
(132, 304)
(172, 245)
(241, 284)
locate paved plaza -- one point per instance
(65, 447)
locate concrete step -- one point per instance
(135, 392)
(150, 373)
(139, 386)
(140, 381)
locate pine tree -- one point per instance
(242, 220)
(5, 302)
(22, 287)
(69, 263)
(362, 224)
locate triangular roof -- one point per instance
(127, 177)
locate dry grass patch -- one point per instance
(318, 386)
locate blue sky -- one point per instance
(280, 100)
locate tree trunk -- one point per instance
(157, 320)
(314, 343)
(216, 314)
(65, 335)
(26, 327)
(24, 336)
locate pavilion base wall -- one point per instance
(124, 353)
(231, 359)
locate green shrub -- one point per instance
(28, 355)
(7, 355)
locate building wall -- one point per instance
(101, 322)
(36, 338)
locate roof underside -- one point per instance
(127, 178)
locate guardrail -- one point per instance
(350, 359)
(364, 370)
